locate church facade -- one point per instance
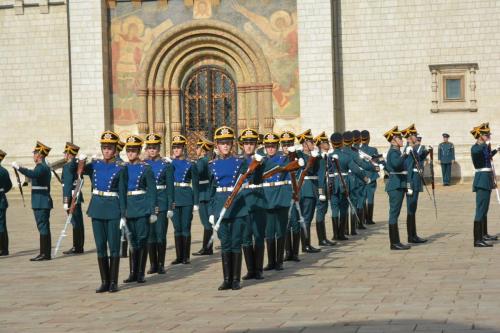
(73, 69)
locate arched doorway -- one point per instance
(208, 98)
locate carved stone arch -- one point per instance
(180, 49)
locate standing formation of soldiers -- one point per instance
(265, 198)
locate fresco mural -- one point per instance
(272, 24)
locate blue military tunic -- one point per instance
(164, 178)
(185, 172)
(69, 178)
(278, 196)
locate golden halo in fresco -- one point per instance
(130, 21)
(284, 17)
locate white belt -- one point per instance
(225, 189)
(279, 183)
(39, 187)
(182, 184)
(138, 192)
(483, 170)
(336, 174)
(415, 170)
(311, 177)
(104, 193)
(206, 181)
(250, 186)
(399, 173)
(161, 187)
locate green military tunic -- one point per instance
(396, 185)
(204, 191)
(69, 178)
(483, 179)
(5, 186)
(446, 155)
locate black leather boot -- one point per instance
(4, 244)
(153, 258)
(306, 241)
(271, 254)
(249, 261)
(321, 230)
(342, 228)
(259, 262)
(394, 238)
(204, 250)
(186, 253)
(478, 235)
(124, 248)
(142, 258)
(236, 266)
(81, 240)
(114, 271)
(41, 250)
(369, 219)
(103, 263)
(72, 250)
(354, 221)
(226, 271)
(288, 246)
(162, 249)
(132, 261)
(295, 246)
(361, 222)
(486, 236)
(335, 228)
(178, 250)
(210, 248)
(280, 251)
(411, 227)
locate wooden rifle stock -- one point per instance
(310, 162)
(290, 167)
(251, 168)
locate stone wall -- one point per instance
(387, 49)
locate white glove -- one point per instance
(196, 208)
(322, 197)
(291, 149)
(324, 154)
(381, 167)
(170, 214)
(335, 156)
(258, 157)
(367, 180)
(408, 150)
(94, 157)
(301, 162)
(153, 218)
(83, 157)
(167, 159)
(314, 153)
(123, 222)
(409, 192)
(65, 207)
(15, 165)
(488, 142)
(498, 147)
(211, 219)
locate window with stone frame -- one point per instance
(453, 87)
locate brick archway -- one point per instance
(191, 45)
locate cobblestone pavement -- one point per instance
(360, 286)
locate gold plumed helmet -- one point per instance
(71, 148)
(42, 149)
(390, 134)
(304, 136)
(409, 131)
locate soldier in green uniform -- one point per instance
(204, 150)
(323, 145)
(414, 162)
(255, 226)
(224, 171)
(124, 243)
(68, 178)
(311, 190)
(396, 185)
(370, 188)
(446, 156)
(484, 182)
(119, 147)
(41, 201)
(292, 234)
(164, 176)
(142, 208)
(186, 196)
(107, 208)
(5, 186)
(361, 188)
(339, 183)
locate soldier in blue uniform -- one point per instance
(41, 201)
(224, 171)
(310, 192)
(107, 208)
(186, 196)
(5, 186)
(484, 182)
(446, 156)
(204, 150)
(396, 185)
(418, 152)
(255, 226)
(142, 208)
(323, 145)
(163, 173)
(69, 178)
(339, 189)
(370, 188)
(292, 233)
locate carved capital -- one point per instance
(160, 128)
(143, 127)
